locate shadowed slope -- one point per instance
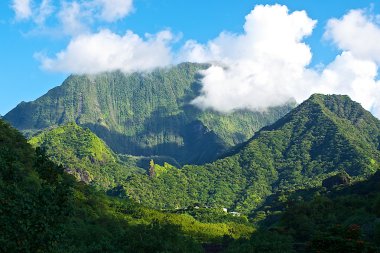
(144, 114)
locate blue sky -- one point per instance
(24, 76)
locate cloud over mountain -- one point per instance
(107, 51)
(269, 63)
(354, 71)
(265, 65)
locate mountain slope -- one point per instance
(43, 209)
(84, 155)
(344, 218)
(144, 114)
(319, 138)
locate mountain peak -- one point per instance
(323, 97)
(335, 107)
(341, 105)
(143, 114)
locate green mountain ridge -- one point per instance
(278, 177)
(324, 135)
(43, 209)
(144, 114)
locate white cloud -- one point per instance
(351, 76)
(71, 16)
(265, 64)
(22, 9)
(106, 51)
(355, 71)
(357, 33)
(268, 31)
(113, 10)
(78, 17)
(268, 64)
(44, 10)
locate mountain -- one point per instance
(83, 155)
(144, 114)
(43, 209)
(311, 180)
(325, 135)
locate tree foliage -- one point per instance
(43, 209)
(322, 137)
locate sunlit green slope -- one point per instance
(321, 137)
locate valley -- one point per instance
(253, 194)
(155, 126)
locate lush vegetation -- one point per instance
(344, 218)
(309, 182)
(84, 155)
(43, 209)
(144, 114)
(320, 138)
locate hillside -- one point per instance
(343, 218)
(275, 177)
(321, 137)
(144, 114)
(83, 155)
(43, 209)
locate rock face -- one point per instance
(341, 178)
(144, 114)
(81, 175)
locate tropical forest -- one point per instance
(259, 138)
